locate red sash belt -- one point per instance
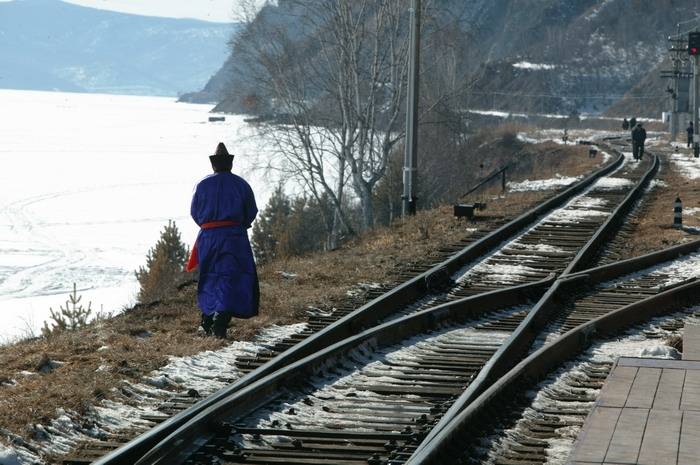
(193, 262)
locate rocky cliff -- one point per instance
(548, 56)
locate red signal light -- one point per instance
(694, 43)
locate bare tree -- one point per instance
(334, 73)
(339, 79)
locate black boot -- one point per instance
(220, 326)
(205, 327)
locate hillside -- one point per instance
(519, 55)
(52, 45)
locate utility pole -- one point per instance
(411, 153)
(696, 90)
(675, 88)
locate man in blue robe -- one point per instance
(224, 207)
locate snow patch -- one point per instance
(613, 183)
(533, 66)
(688, 166)
(660, 351)
(657, 183)
(10, 457)
(535, 247)
(542, 184)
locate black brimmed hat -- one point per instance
(221, 154)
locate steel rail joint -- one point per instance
(538, 365)
(351, 323)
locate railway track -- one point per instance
(547, 247)
(374, 398)
(431, 393)
(567, 238)
(520, 421)
(420, 291)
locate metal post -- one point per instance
(676, 88)
(411, 153)
(696, 100)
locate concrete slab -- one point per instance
(691, 342)
(648, 413)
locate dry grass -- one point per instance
(133, 344)
(654, 229)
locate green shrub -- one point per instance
(164, 265)
(71, 317)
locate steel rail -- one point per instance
(177, 447)
(365, 316)
(479, 413)
(518, 344)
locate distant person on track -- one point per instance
(625, 125)
(633, 123)
(639, 135)
(224, 207)
(690, 130)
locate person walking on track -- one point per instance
(639, 135)
(223, 206)
(690, 130)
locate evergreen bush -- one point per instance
(290, 227)
(164, 265)
(71, 317)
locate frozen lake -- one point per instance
(87, 183)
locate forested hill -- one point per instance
(522, 55)
(52, 45)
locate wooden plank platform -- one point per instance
(648, 413)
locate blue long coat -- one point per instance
(228, 280)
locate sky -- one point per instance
(222, 11)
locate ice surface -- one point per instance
(87, 183)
